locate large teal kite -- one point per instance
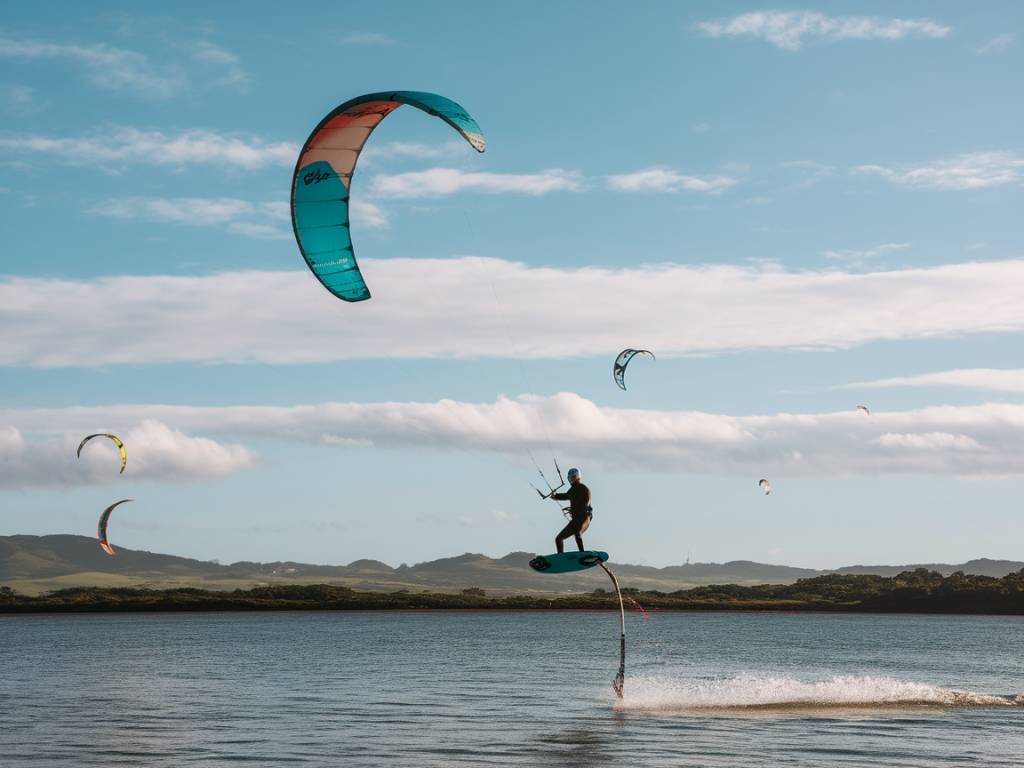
(323, 180)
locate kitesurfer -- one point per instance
(580, 510)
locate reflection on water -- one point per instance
(498, 689)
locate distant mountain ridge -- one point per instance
(33, 564)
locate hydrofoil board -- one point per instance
(567, 562)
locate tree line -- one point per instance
(919, 590)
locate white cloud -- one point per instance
(668, 180)
(367, 38)
(104, 65)
(376, 151)
(277, 210)
(11, 443)
(241, 217)
(993, 379)
(977, 170)
(438, 182)
(789, 29)
(968, 441)
(119, 69)
(865, 253)
(125, 145)
(259, 231)
(997, 44)
(160, 452)
(196, 211)
(155, 452)
(389, 149)
(367, 214)
(237, 216)
(929, 442)
(447, 308)
(345, 442)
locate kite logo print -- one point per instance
(315, 177)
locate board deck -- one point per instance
(567, 562)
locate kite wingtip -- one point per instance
(477, 141)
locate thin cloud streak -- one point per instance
(441, 182)
(447, 308)
(195, 211)
(367, 38)
(238, 216)
(389, 150)
(367, 214)
(133, 146)
(788, 30)
(997, 44)
(965, 441)
(811, 172)
(231, 72)
(104, 65)
(991, 379)
(865, 253)
(976, 170)
(117, 69)
(668, 180)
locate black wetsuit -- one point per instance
(578, 497)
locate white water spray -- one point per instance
(658, 694)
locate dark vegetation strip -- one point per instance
(920, 591)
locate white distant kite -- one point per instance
(764, 485)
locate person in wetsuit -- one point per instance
(578, 497)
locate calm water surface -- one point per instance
(448, 688)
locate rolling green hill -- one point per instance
(36, 564)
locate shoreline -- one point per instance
(108, 611)
(919, 592)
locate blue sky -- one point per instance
(798, 208)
